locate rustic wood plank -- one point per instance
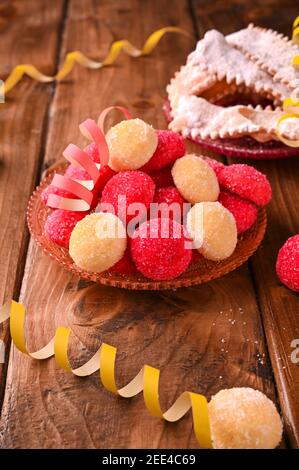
(203, 338)
(279, 306)
(28, 35)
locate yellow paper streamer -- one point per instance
(291, 105)
(147, 380)
(295, 39)
(78, 57)
(295, 35)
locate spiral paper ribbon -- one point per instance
(78, 57)
(83, 189)
(147, 380)
(295, 38)
(291, 105)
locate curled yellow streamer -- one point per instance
(295, 39)
(147, 380)
(78, 57)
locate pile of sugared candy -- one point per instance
(149, 166)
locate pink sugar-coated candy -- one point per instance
(171, 146)
(244, 212)
(287, 264)
(247, 182)
(171, 196)
(215, 165)
(135, 186)
(160, 249)
(125, 265)
(162, 178)
(60, 224)
(93, 152)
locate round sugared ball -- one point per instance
(98, 242)
(60, 224)
(131, 144)
(287, 264)
(171, 146)
(247, 182)
(244, 418)
(126, 189)
(195, 179)
(162, 178)
(171, 203)
(160, 249)
(213, 230)
(244, 212)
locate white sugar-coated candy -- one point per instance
(195, 179)
(131, 144)
(244, 418)
(213, 229)
(98, 242)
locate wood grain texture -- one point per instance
(279, 306)
(24, 38)
(203, 339)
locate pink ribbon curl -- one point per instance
(82, 189)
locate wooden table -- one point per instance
(235, 331)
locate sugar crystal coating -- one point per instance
(195, 179)
(247, 182)
(170, 199)
(244, 212)
(213, 229)
(171, 146)
(160, 249)
(287, 264)
(60, 224)
(98, 242)
(125, 189)
(244, 418)
(131, 144)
